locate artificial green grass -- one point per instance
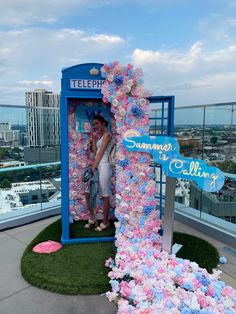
(75, 269)
(77, 230)
(79, 268)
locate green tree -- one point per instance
(16, 150)
(3, 153)
(5, 184)
(214, 140)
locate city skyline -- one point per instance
(185, 47)
(220, 116)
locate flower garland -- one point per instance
(145, 279)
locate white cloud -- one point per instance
(218, 28)
(29, 12)
(26, 12)
(34, 57)
(231, 22)
(28, 83)
(194, 76)
(170, 60)
(104, 39)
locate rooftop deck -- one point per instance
(17, 296)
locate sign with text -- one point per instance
(85, 84)
(165, 151)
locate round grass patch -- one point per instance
(79, 268)
(75, 269)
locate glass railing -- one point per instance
(208, 132)
(30, 171)
(30, 160)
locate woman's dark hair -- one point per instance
(101, 119)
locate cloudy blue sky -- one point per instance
(186, 48)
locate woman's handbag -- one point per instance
(88, 174)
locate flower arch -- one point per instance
(144, 278)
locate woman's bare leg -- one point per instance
(90, 209)
(106, 209)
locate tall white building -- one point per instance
(42, 115)
(7, 135)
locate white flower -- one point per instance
(115, 102)
(228, 303)
(110, 77)
(130, 83)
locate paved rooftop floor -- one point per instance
(18, 297)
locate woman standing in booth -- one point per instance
(102, 149)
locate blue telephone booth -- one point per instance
(81, 99)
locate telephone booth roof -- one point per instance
(82, 81)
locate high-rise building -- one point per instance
(42, 115)
(7, 135)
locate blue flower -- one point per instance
(111, 88)
(223, 260)
(119, 188)
(123, 163)
(178, 270)
(142, 221)
(154, 237)
(203, 311)
(149, 252)
(103, 74)
(128, 121)
(118, 79)
(159, 295)
(205, 281)
(110, 65)
(227, 311)
(151, 175)
(170, 305)
(204, 289)
(198, 275)
(130, 73)
(114, 285)
(147, 210)
(129, 173)
(143, 187)
(148, 271)
(187, 285)
(221, 283)
(136, 111)
(143, 159)
(74, 163)
(217, 293)
(140, 81)
(186, 310)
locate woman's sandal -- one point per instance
(102, 226)
(91, 223)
